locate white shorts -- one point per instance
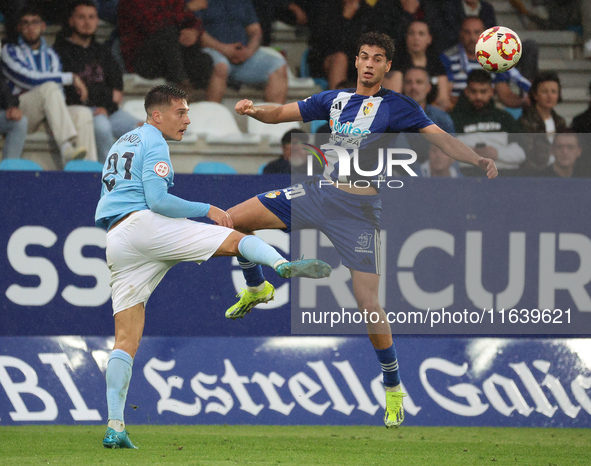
(144, 246)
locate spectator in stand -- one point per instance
(334, 31)
(528, 65)
(566, 149)
(13, 124)
(460, 60)
(291, 161)
(287, 11)
(439, 164)
(540, 121)
(582, 126)
(418, 53)
(417, 86)
(160, 39)
(33, 70)
(93, 62)
(232, 38)
(488, 130)
(582, 122)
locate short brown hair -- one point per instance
(163, 95)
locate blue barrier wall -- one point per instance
(464, 245)
(300, 380)
(470, 244)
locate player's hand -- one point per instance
(245, 107)
(489, 166)
(81, 88)
(188, 37)
(14, 114)
(220, 217)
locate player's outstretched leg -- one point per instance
(118, 377)
(257, 251)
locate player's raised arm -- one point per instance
(457, 150)
(269, 113)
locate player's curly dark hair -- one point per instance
(163, 95)
(377, 39)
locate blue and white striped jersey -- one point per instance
(459, 66)
(360, 122)
(26, 68)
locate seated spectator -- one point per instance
(582, 122)
(487, 129)
(439, 164)
(269, 11)
(333, 41)
(418, 53)
(528, 65)
(566, 149)
(582, 125)
(460, 60)
(51, 11)
(13, 124)
(291, 161)
(540, 121)
(232, 38)
(417, 86)
(80, 53)
(33, 70)
(160, 39)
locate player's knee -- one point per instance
(369, 303)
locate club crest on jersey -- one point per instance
(162, 169)
(367, 109)
(273, 194)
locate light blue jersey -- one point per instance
(137, 175)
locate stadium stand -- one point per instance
(20, 164)
(83, 166)
(214, 168)
(560, 51)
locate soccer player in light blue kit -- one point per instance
(348, 215)
(148, 232)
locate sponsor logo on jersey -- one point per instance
(273, 194)
(348, 128)
(162, 169)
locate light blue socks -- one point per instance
(118, 377)
(256, 250)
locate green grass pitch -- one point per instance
(297, 446)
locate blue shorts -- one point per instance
(350, 221)
(255, 70)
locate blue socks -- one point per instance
(253, 273)
(254, 249)
(118, 377)
(389, 363)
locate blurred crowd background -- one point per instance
(74, 73)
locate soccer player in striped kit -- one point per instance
(346, 214)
